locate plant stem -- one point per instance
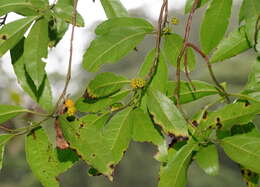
(182, 52)
(68, 76)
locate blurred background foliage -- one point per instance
(138, 168)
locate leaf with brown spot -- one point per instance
(46, 162)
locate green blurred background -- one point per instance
(138, 168)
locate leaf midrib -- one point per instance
(114, 46)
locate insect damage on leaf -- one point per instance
(3, 37)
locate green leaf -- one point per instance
(43, 95)
(166, 115)
(251, 178)
(189, 4)
(36, 48)
(85, 136)
(105, 84)
(46, 162)
(244, 150)
(10, 111)
(101, 145)
(117, 134)
(144, 129)
(123, 22)
(242, 11)
(160, 78)
(252, 87)
(57, 29)
(251, 8)
(39, 4)
(112, 46)
(114, 8)
(250, 26)
(188, 94)
(100, 104)
(207, 159)
(215, 23)
(7, 6)
(249, 129)
(65, 12)
(230, 115)
(3, 139)
(234, 44)
(13, 32)
(172, 46)
(175, 172)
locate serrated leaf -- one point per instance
(99, 144)
(13, 32)
(47, 162)
(143, 128)
(251, 178)
(189, 4)
(175, 172)
(105, 84)
(214, 24)
(207, 159)
(65, 12)
(166, 115)
(10, 111)
(43, 95)
(100, 104)
(36, 48)
(234, 44)
(252, 87)
(112, 46)
(122, 22)
(172, 46)
(7, 6)
(230, 115)
(160, 78)
(85, 136)
(188, 94)
(117, 134)
(244, 150)
(114, 8)
(3, 139)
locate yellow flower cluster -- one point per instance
(71, 109)
(175, 21)
(137, 83)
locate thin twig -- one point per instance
(186, 38)
(161, 22)
(187, 71)
(206, 58)
(68, 77)
(6, 129)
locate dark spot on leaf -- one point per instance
(205, 115)
(242, 171)
(210, 127)
(3, 37)
(44, 171)
(249, 173)
(195, 123)
(57, 179)
(71, 118)
(112, 166)
(93, 155)
(219, 125)
(81, 125)
(247, 103)
(77, 134)
(218, 120)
